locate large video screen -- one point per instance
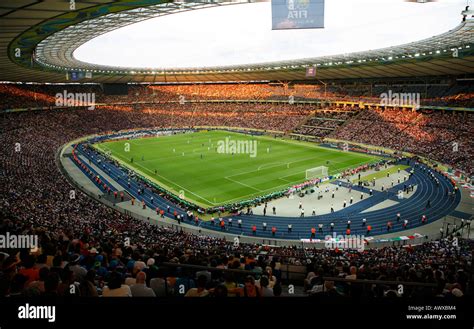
(297, 14)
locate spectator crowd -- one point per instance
(39, 95)
(443, 136)
(100, 252)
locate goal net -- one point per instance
(317, 172)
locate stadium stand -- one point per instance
(429, 133)
(324, 122)
(83, 240)
(39, 95)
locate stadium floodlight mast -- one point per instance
(317, 172)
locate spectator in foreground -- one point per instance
(88, 288)
(139, 289)
(264, 289)
(220, 291)
(201, 290)
(115, 288)
(250, 289)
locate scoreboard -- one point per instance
(297, 14)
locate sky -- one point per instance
(242, 34)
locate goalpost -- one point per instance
(317, 172)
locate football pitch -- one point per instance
(205, 168)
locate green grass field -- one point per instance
(382, 173)
(192, 164)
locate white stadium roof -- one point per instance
(240, 35)
(50, 35)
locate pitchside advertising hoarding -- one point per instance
(297, 14)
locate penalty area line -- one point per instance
(243, 184)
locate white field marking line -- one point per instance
(179, 154)
(331, 171)
(232, 180)
(271, 163)
(255, 194)
(284, 185)
(276, 164)
(258, 169)
(289, 182)
(105, 147)
(179, 138)
(261, 138)
(166, 179)
(286, 180)
(182, 187)
(293, 182)
(160, 158)
(212, 203)
(261, 191)
(207, 137)
(159, 140)
(286, 163)
(243, 184)
(300, 143)
(169, 143)
(214, 163)
(311, 146)
(272, 188)
(251, 194)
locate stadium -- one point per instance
(237, 149)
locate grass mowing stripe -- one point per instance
(227, 178)
(164, 178)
